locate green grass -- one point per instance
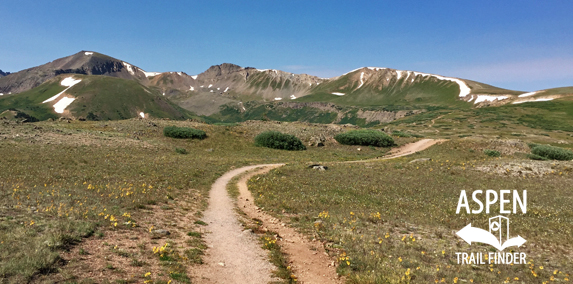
(391, 216)
(60, 182)
(30, 102)
(550, 115)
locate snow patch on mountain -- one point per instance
(464, 89)
(278, 99)
(149, 74)
(191, 89)
(67, 82)
(62, 104)
(88, 53)
(292, 97)
(264, 70)
(129, 68)
(361, 80)
(528, 94)
(352, 71)
(535, 100)
(194, 77)
(338, 94)
(226, 90)
(484, 98)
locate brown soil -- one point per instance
(412, 148)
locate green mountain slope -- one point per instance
(370, 86)
(96, 97)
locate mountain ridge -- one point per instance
(230, 91)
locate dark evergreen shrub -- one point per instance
(277, 140)
(365, 137)
(552, 153)
(184, 132)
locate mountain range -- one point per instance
(92, 85)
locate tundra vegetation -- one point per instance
(97, 201)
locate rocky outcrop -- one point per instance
(2, 74)
(384, 116)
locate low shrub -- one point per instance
(181, 151)
(278, 140)
(492, 153)
(552, 153)
(365, 137)
(184, 132)
(536, 157)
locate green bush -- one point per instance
(492, 153)
(277, 140)
(365, 137)
(552, 153)
(184, 132)
(181, 151)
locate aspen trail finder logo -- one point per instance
(472, 234)
(498, 235)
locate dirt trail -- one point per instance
(433, 122)
(405, 150)
(235, 256)
(308, 259)
(412, 148)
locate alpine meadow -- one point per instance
(453, 164)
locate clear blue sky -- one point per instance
(523, 45)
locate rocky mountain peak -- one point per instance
(222, 70)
